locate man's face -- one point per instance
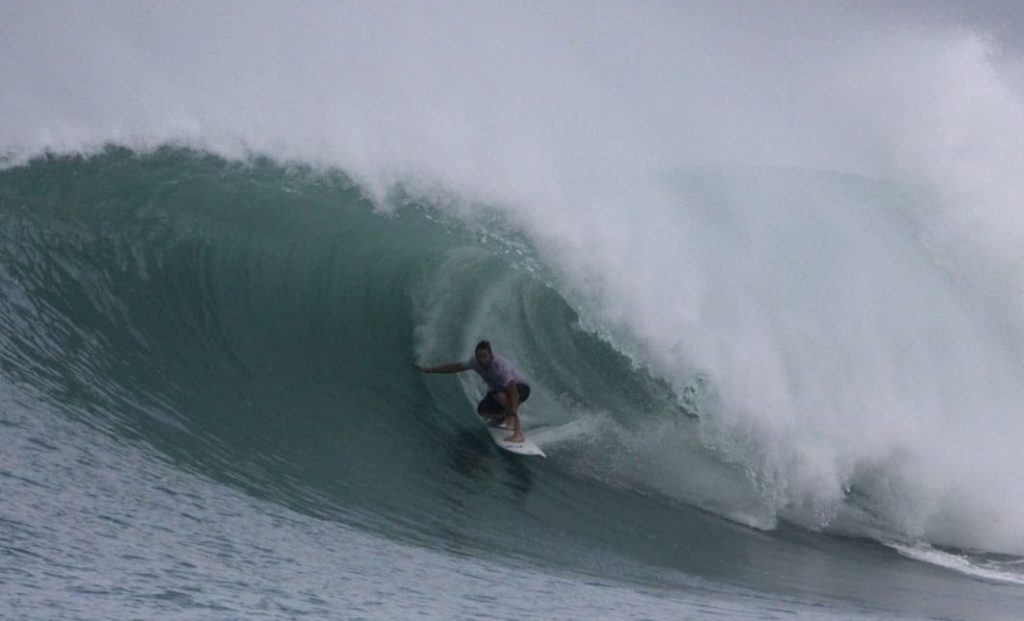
(484, 357)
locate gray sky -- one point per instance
(1002, 18)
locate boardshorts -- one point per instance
(490, 406)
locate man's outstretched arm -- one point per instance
(451, 367)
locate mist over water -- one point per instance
(807, 222)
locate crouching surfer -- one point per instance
(508, 387)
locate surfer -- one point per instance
(508, 388)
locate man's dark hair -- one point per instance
(484, 345)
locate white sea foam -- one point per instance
(956, 562)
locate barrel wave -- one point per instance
(258, 325)
(760, 264)
(261, 325)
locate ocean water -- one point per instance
(770, 305)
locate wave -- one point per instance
(850, 342)
(260, 324)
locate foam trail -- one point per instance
(856, 335)
(928, 554)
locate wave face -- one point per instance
(300, 206)
(258, 326)
(262, 324)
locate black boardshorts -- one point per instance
(490, 406)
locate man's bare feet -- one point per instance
(515, 439)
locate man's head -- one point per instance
(483, 354)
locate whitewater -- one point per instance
(762, 266)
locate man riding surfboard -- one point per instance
(508, 387)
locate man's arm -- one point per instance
(451, 367)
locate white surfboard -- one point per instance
(526, 447)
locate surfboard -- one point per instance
(526, 447)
